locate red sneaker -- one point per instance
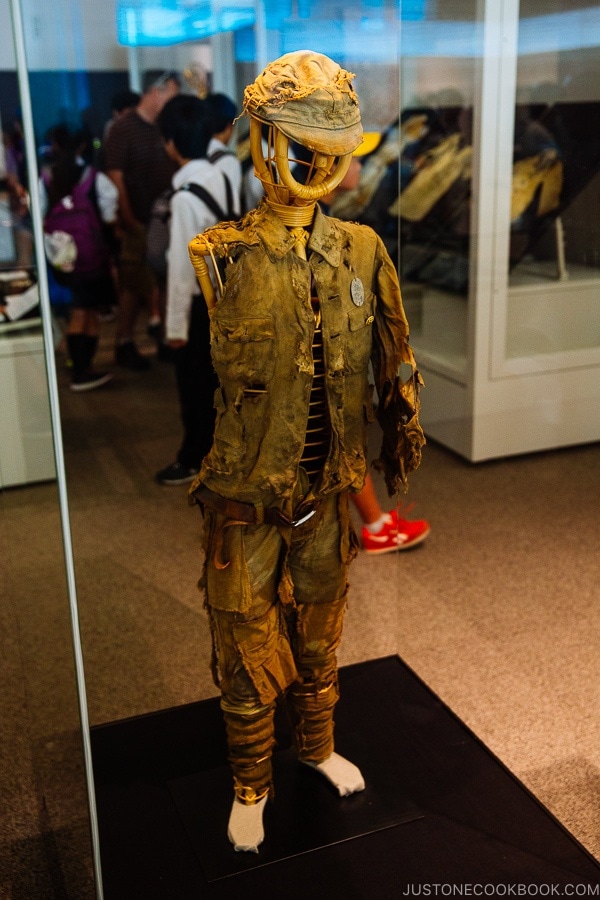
(396, 534)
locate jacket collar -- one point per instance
(325, 238)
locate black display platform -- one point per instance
(439, 808)
(307, 814)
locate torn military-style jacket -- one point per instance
(261, 339)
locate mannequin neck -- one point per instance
(293, 216)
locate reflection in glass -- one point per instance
(43, 802)
(554, 258)
(439, 71)
(45, 813)
(144, 631)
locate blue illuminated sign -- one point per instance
(155, 23)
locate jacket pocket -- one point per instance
(360, 337)
(243, 349)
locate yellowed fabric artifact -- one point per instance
(543, 172)
(351, 204)
(437, 172)
(305, 305)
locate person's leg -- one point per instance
(75, 344)
(127, 313)
(82, 341)
(100, 293)
(91, 331)
(385, 532)
(367, 504)
(135, 287)
(156, 320)
(92, 323)
(196, 384)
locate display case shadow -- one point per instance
(438, 806)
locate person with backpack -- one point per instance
(223, 112)
(80, 207)
(202, 196)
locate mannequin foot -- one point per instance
(342, 774)
(245, 829)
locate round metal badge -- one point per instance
(357, 292)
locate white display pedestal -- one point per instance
(525, 380)
(26, 448)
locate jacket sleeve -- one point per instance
(398, 407)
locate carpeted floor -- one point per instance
(498, 612)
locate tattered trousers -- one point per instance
(276, 597)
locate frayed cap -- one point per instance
(310, 99)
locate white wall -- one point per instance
(54, 35)
(7, 54)
(82, 35)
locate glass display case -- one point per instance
(480, 174)
(46, 826)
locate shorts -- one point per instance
(135, 274)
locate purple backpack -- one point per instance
(73, 233)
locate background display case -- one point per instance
(500, 259)
(26, 451)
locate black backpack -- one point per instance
(157, 234)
